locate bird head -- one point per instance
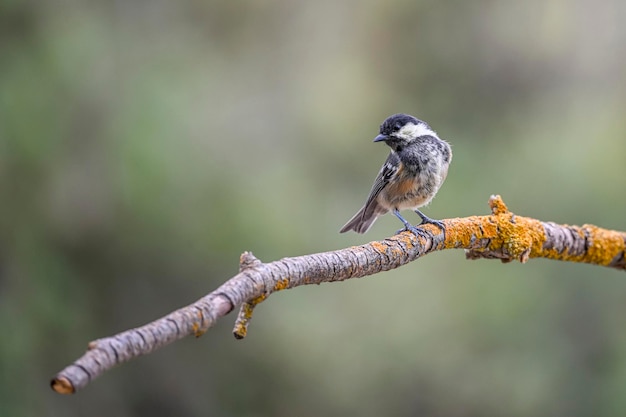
(399, 130)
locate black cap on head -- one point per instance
(396, 122)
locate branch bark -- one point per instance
(501, 235)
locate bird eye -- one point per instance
(398, 126)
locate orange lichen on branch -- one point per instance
(587, 244)
(62, 386)
(500, 235)
(606, 245)
(497, 206)
(388, 249)
(466, 232)
(407, 238)
(243, 320)
(196, 330)
(507, 236)
(199, 328)
(245, 315)
(282, 284)
(379, 246)
(519, 237)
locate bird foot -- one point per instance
(428, 220)
(417, 232)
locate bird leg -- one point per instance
(428, 220)
(408, 226)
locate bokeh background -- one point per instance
(145, 145)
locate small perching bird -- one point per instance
(411, 175)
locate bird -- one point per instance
(410, 177)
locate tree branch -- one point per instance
(501, 235)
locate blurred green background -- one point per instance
(145, 145)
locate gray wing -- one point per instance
(389, 170)
(364, 218)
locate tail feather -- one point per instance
(363, 219)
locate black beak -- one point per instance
(380, 138)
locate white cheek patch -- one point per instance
(412, 131)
